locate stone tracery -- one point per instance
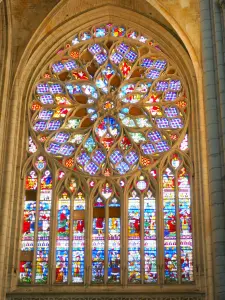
(112, 107)
(109, 105)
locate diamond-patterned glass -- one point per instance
(154, 136)
(116, 157)
(98, 157)
(148, 148)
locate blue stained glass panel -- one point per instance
(162, 86)
(53, 148)
(170, 96)
(71, 65)
(116, 157)
(56, 88)
(122, 167)
(98, 157)
(122, 48)
(101, 57)
(160, 64)
(162, 146)
(45, 114)
(61, 137)
(153, 74)
(147, 62)
(42, 88)
(54, 125)
(148, 148)
(40, 126)
(154, 136)
(58, 67)
(46, 99)
(175, 85)
(116, 57)
(83, 158)
(162, 123)
(91, 168)
(95, 48)
(171, 112)
(90, 144)
(66, 150)
(131, 56)
(176, 123)
(132, 157)
(100, 31)
(85, 35)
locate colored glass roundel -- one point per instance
(109, 105)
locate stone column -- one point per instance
(212, 113)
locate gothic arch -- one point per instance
(40, 53)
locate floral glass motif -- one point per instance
(106, 96)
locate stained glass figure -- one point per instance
(25, 271)
(43, 232)
(170, 234)
(29, 217)
(98, 241)
(134, 255)
(150, 252)
(78, 238)
(62, 238)
(185, 225)
(114, 242)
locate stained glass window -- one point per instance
(108, 183)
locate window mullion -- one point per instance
(88, 240)
(53, 219)
(54, 224)
(87, 235)
(36, 229)
(70, 240)
(160, 229)
(142, 238)
(177, 230)
(106, 242)
(125, 238)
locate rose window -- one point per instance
(110, 104)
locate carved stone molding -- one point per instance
(106, 297)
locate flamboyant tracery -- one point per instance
(108, 145)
